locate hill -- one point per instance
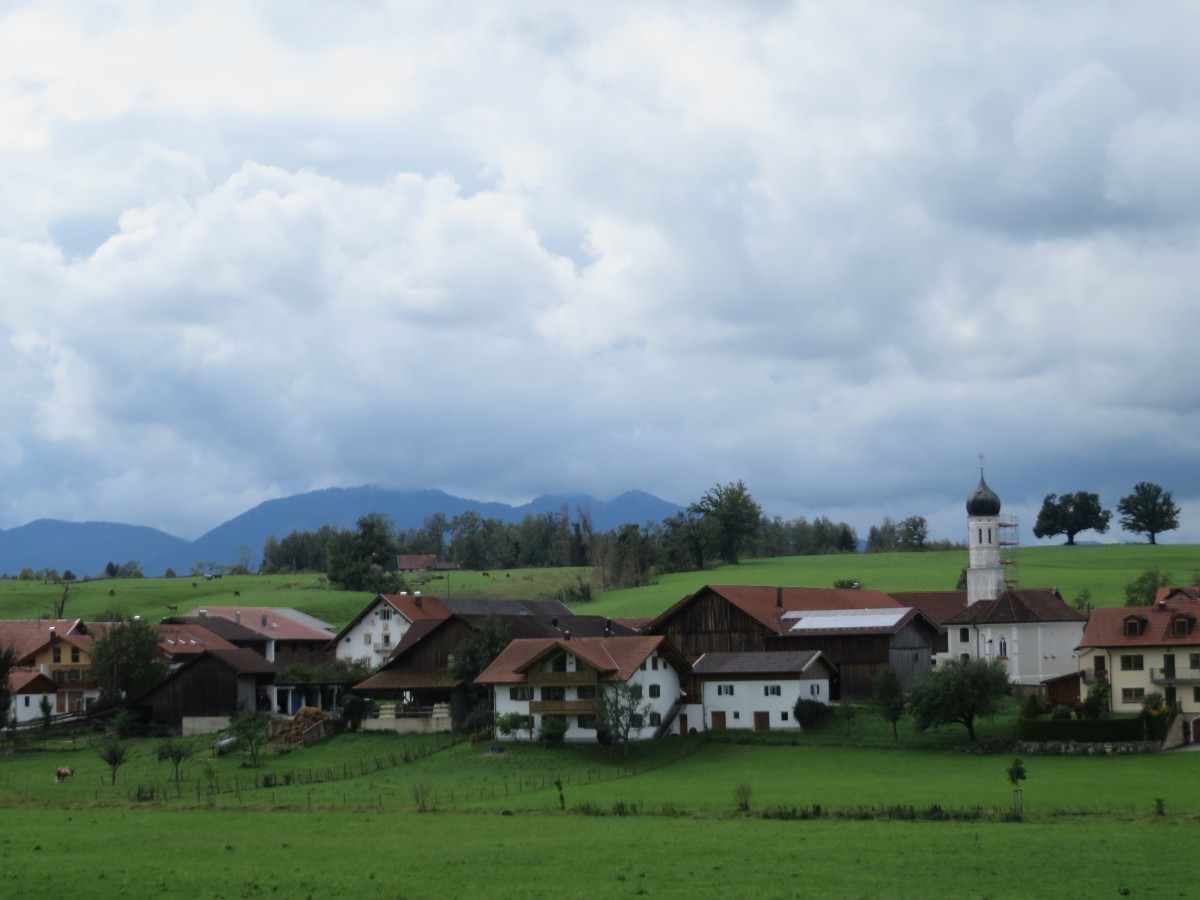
(85, 548)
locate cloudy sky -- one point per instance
(835, 250)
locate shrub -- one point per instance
(741, 796)
(809, 712)
(1060, 713)
(1034, 706)
(553, 729)
(510, 723)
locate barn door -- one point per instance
(683, 723)
(762, 721)
(718, 721)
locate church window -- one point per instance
(1003, 645)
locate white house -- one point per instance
(374, 633)
(538, 678)
(29, 688)
(756, 690)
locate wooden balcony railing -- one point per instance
(562, 707)
(587, 676)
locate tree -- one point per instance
(888, 693)
(1143, 589)
(46, 709)
(959, 691)
(115, 753)
(8, 660)
(731, 516)
(60, 605)
(1149, 510)
(364, 559)
(174, 752)
(914, 532)
(474, 655)
(1071, 514)
(620, 710)
(124, 661)
(249, 727)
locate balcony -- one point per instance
(587, 676)
(1175, 676)
(562, 707)
(1091, 676)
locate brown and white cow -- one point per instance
(63, 772)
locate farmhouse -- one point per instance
(64, 659)
(755, 690)
(284, 636)
(375, 632)
(29, 688)
(874, 631)
(563, 678)
(1143, 650)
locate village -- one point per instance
(725, 657)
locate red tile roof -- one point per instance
(615, 658)
(765, 604)
(938, 606)
(24, 680)
(1106, 627)
(408, 680)
(1031, 605)
(175, 640)
(280, 624)
(28, 636)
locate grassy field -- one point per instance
(662, 820)
(1104, 570)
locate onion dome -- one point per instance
(983, 501)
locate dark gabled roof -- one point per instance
(777, 662)
(224, 628)
(938, 606)
(1016, 606)
(766, 604)
(413, 607)
(408, 680)
(242, 661)
(23, 680)
(281, 624)
(508, 607)
(1106, 626)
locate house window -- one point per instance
(1180, 625)
(737, 714)
(1131, 663)
(964, 635)
(587, 722)
(724, 690)
(1003, 645)
(655, 719)
(636, 720)
(1196, 695)
(1132, 695)
(654, 663)
(56, 654)
(26, 699)
(586, 692)
(1133, 627)
(554, 693)
(966, 657)
(74, 654)
(368, 639)
(1102, 666)
(635, 691)
(518, 693)
(814, 690)
(559, 663)
(772, 690)
(655, 691)
(387, 639)
(783, 716)
(385, 613)
(1194, 660)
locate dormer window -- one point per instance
(1135, 626)
(1182, 624)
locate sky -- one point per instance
(833, 250)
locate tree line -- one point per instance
(1147, 510)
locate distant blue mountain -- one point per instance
(85, 548)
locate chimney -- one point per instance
(204, 613)
(608, 626)
(53, 632)
(1162, 604)
(417, 599)
(237, 616)
(779, 598)
(567, 635)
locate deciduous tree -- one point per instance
(1149, 510)
(1142, 590)
(620, 710)
(1071, 514)
(731, 516)
(959, 691)
(888, 693)
(124, 661)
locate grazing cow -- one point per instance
(63, 772)
(237, 593)
(172, 607)
(111, 592)
(193, 584)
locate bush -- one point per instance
(1060, 713)
(553, 729)
(1034, 706)
(810, 712)
(510, 723)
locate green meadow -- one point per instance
(1104, 570)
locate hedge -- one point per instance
(1090, 731)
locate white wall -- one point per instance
(28, 707)
(373, 630)
(1034, 652)
(753, 696)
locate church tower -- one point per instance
(985, 576)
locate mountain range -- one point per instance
(85, 548)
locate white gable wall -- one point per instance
(739, 700)
(374, 636)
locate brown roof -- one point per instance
(408, 680)
(635, 624)
(413, 607)
(1032, 605)
(28, 636)
(1177, 593)
(411, 562)
(765, 604)
(766, 663)
(175, 640)
(83, 641)
(615, 658)
(23, 680)
(281, 624)
(820, 623)
(1106, 627)
(938, 606)
(243, 661)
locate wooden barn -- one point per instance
(203, 694)
(874, 629)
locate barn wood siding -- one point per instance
(912, 651)
(711, 624)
